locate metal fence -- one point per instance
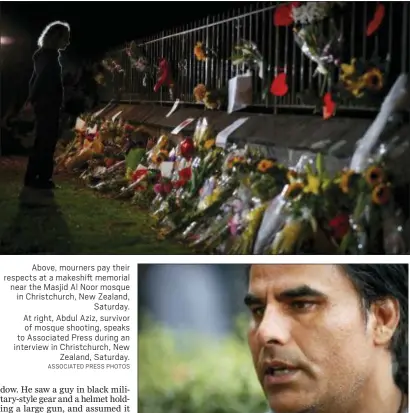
(254, 22)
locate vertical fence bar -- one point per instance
(270, 61)
(275, 65)
(208, 62)
(405, 36)
(364, 38)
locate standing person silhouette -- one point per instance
(45, 100)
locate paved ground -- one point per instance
(77, 221)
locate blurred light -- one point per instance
(5, 41)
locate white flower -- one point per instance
(299, 15)
(313, 11)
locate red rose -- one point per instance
(167, 187)
(185, 174)
(340, 226)
(179, 184)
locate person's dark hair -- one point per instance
(54, 29)
(375, 282)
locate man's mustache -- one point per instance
(269, 354)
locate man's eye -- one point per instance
(302, 305)
(257, 311)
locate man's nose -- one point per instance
(275, 327)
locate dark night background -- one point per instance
(96, 27)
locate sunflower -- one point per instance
(347, 70)
(347, 180)
(373, 79)
(200, 92)
(291, 175)
(210, 143)
(159, 157)
(294, 190)
(211, 101)
(381, 194)
(265, 165)
(236, 160)
(374, 175)
(352, 83)
(199, 52)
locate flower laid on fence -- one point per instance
(138, 59)
(363, 79)
(112, 65)
(164, 77)
(200, 52)
(247, 53)
(212, 99)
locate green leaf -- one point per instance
(134, 157)
(237, 60)
(320, 165)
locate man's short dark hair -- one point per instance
(378, 281)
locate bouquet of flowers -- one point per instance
(264, 182)
(321, 49)
(247, 53)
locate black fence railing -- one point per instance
(220, 34)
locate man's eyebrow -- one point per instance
(301, 291)
(251, 299)
(297, 292)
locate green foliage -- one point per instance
(205, 376)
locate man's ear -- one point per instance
(386, 316)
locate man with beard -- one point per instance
(330, 338)
(45, 100)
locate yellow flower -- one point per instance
(199, 52)
(374, 175)
(313, 185)
(211, 103)
(200, 92)
(373, 79)
(128, 174)
(294, 190)
(159, 157)
(291, 175)
(346, 181)
(354, 86)
(97, 146)
(265, 165)
(235, 161)
(163, 141)
(381, 194)
(347, 70)
(209, 144)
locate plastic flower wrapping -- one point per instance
(247, 53)
(324, 50)
(137, 58)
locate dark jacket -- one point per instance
(46, 85)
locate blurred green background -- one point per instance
(193, 355)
